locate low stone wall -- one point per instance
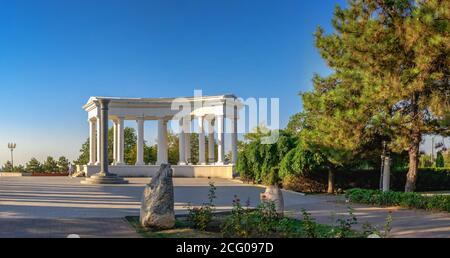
(192, 171)
(14, 174)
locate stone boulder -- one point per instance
(157, 205)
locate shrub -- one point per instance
(407, 200)
(201, 217)
(256, 159)
(428, 179)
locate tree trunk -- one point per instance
(413, 152)
(330, 182)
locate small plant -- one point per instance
(244, 222)
(343, 229)
(236, 224)
(201, 217)
(264, 219)
(388, 225)
(309, 225)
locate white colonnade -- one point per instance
(210, 119)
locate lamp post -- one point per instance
(11, 147)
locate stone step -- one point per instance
(96, 179)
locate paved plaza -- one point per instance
(58, 206)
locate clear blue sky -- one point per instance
(55, 54)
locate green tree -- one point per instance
(173, 150)
(19, 168)
(194, 148)
(130, 151)
(63, 164)
(390, 62)
(50, 165)
(150, 154)
(8, 167)
(34, 166)
(440, 163)
(83, 159)
(256, 160)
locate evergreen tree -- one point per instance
(440, 160)
(50, 165)
(34, 166)
(390, 80)
(63, 164)
(7, 167)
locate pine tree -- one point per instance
(50, 165)
(63, 164)
(34, 166)
(439, 160)
(390, 80)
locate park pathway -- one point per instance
(56, 206)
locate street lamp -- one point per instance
(11, 147)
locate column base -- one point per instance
(139, 164)
(101, 179)
(219, 163)
(182, 163)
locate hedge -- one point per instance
(428, 179)
(407, 200)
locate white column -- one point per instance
(120, 141)
(220, 140)
(187, 139)
(211, 142)
(92, 141)
(201, 141)
(162, 142)
(181, 143)
(98, 145)
(140, 142)
(115, 136)
(234, 137)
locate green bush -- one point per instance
(428, 179)
(201, 217)
(407, 200)
(256, 159)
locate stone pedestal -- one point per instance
(275, 195)
(104, 179)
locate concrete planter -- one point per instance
(275, 195)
